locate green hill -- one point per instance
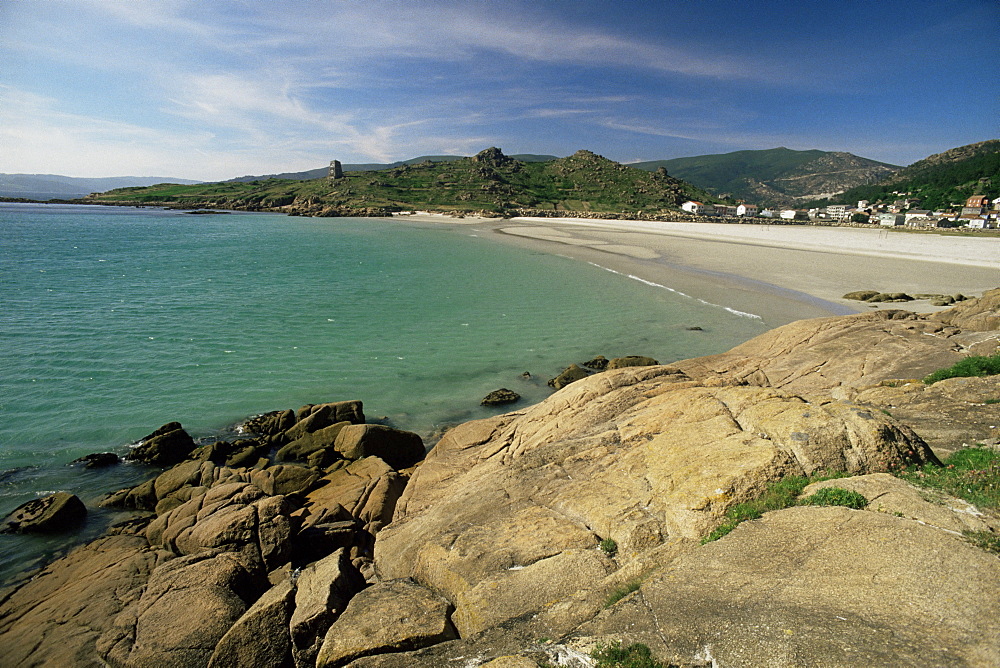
(941, 181)
(774, 177)
(488, 182)
(321, 172)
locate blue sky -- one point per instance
(212, 89)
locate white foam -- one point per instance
(742, 314)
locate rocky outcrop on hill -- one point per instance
(579, 520)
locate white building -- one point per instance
(746, 210)
(838, 211)
(692, 207)
(891, 219)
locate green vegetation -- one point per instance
(622, 592)
(633, 656)
(984, 540)
(488, 182)
(972, 474)
(609, 547)
(939, 181)
(773, 176)
(974, 365)
(836, 496)
(778, 495)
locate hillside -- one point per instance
(488, 182)
(774, 177)
(941, 181)
(374, 166)
(54, 186)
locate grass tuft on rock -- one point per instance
(621, 592)
(836, 496)
(985, 540)
(972, 474)
(609, 547)
(781, 494)
(974, 365)
(633, 656)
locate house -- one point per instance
(838, 211)
(788, 214)
(915, 217)
(980, 223)
(891, 219)
(977, 205)
(746, 210)
(692, 207)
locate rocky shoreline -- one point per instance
(316, 539)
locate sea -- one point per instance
(116, 320)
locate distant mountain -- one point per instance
(940, 181)
(375, 166)
(775, 177)
(487, 182)
(53, 186)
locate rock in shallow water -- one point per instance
(97, 460)
(500, 397)
(57, 512)
(166, 446)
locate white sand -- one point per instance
(968, 251)
(780, 272)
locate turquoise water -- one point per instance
(115, 321)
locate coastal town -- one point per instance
(977, 212)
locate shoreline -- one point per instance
(780, 273)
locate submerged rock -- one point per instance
(57, 512)
(631, 360)
(569, 375)
(500, 397)
(97, 460)
(166, 446)
(599, 363)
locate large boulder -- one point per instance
(309, 443)
(232, 517)
(269, 424)
(394, 616)
(631, 360)
(399, 449)
(314, 417)
(837, 354)
(640, 455)
(54, 513)
(947, 414)
(570, 374)
(982, 314)
(819, 586)
(56, 618)
(261, 636)
(323, 591)
(166, 446)
(187, 607)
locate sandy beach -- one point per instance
(779, 272)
